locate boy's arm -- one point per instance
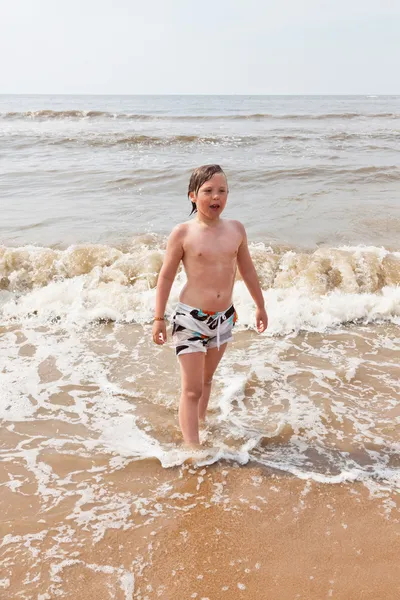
(173, 256)
(249, 275)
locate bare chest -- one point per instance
(208, 249)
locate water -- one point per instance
(309, 170)
(90, 187)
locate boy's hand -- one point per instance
(159, 332)
(261, 320)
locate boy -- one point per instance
(210, 249)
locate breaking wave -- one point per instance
(47, 114)
(86, 283)
(140, 140)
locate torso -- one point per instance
(209, 259)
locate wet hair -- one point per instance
(200, 176)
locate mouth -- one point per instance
(214, 206)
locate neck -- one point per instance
(202, 220)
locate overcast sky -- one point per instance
(200, 47)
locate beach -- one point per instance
(295, 492)
(216, 532)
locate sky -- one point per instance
(206, 47)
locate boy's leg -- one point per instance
(212, 359)
(192, 369)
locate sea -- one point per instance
(96, 488)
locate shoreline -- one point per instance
(236, 532)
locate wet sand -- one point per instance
(222, 531)
(84, 513)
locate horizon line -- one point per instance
(190, 94)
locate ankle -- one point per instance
(191, 445)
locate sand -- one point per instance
(222, 531)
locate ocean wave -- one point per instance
(111, 140)
(369, 174)
(342, 136)
(271, 140)
(48, 114)
(356, 269)
(355, 115)
(163, 141)
(93, 282)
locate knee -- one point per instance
(192, 394)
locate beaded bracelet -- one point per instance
(159, 318)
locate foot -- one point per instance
(192, 445)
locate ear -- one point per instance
(192, 197)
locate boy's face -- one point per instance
(212, 196)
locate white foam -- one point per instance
(243, 426)
(89, 283)
(288, 309)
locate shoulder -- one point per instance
(179, 232)
(237, 226)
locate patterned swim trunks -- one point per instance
(196, 330)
